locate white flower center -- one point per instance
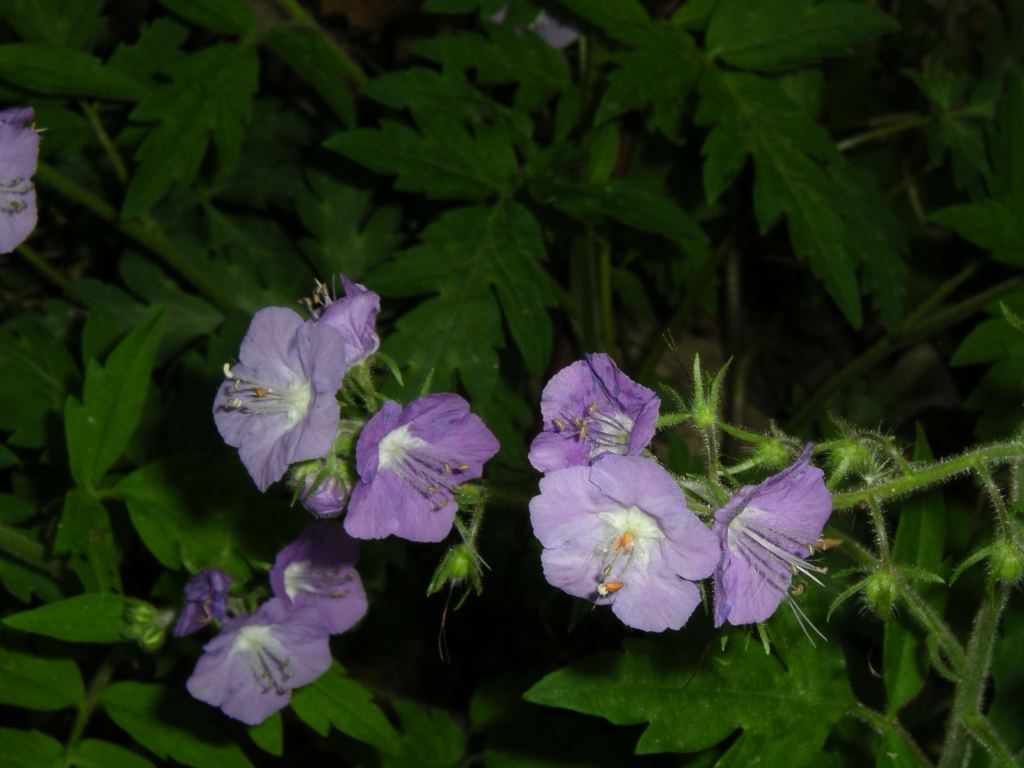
(257, 397)
(395, 447)
(630, 533)
(267, 658)
(295, 578)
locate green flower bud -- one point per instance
(1007, 561)
(881, 592)
(459, 564)
(852, 456)
(772, 453)
(146, 625)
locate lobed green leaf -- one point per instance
(90, 618)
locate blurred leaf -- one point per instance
(659, 71)
(74, 25)
(30, 749)
(23, 582)
(443, 162)
(96, 753)
(504, 56)
(350, 235)
(430, 739)
(90, 618)
(464, 253)
(334, 699)
(58, 71)
(616, 17)
(14, 510)
(169, 724)
(920, 539)
(210, 96)
(28, 680)
(159, 44)
(825, 214)
(36, 374)
(231, 17)
(996, 224)
(85, 533)
(269, 735)
(773, 35)
(98, 429)
(784, 710)
(310, 55)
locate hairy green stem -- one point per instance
(148, 234)
(27, 550)
(300, 14)
(890, 725)
(995, 496)
(881, 534)
(981, 730)
(970, 691)
(932, 622)
(29, 254)
(884, 347)
(999, 453)
(88, 705)
(880, 133)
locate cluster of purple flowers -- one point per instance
(278, 406)
(250, 668)
(615, 525)
(19, 154)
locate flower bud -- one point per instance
(852, 455)
(458, 565)
(1007, 561)
(773, 453)
(146, 625)
(881, 592)
(322, 489)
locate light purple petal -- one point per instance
(379, 425)
(567, 505)
(19, 155)
(206, 598)
(554, 33)
(328, 498)
(354, 317)
(268, 350)
(656, 599)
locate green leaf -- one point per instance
(629, 200)
(772, 35)
(659, 72)
(37, 682)
(504, 56)
(30, 749)
(96, 753)
(350, 236)
(171, 725)
(199, 508)
(85, 532)
(996, 224)
(90, 618)
(231, 17)
(920, 539)
(616, 17)
(310, 55)
(431, 739)
(464, 253)
(210, 96)
(793, 177)
(58, 71)
(69, 25)
(785, 711)
(269, 735)
(98, 429)
(37, 373)
(159, 43)
(334, 699)
(23, 582)
(444, 162)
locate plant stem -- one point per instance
(300, 14)
(604, 264)
(982, 731)
(29, 254)
(880, 133)
(932, 622)
(890, 725)
(88, 705)
(148, 234)
(27, 550)
(999, 453)
(970, 691)
(105, 141)
(881, 349)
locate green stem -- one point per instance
(995, 496)
(880, 133)
(881, 534)
(604, 264)
(970, 691)
(932, 622)
(105, 141)
(27, 550)
(999, 453)
(890, 725)
(882, 348)
(88, 704)
(300, 14)
(148, 234)
(28, 254)
(980, 728)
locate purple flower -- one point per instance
(251, 667)
(324, 493)
(354, 316)
(591, 409)
(553, 32)
(277, 406)
(767, 531)
(409, 463)
(206, 595)
(619, 533)
(317, 570)
(19, 154)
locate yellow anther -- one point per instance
(444, 503)
(558, 423)
(608, 587)
(592, 408)
(798, 589)
(447, 468)
(227, 372)
(625, 542)
(463, 467)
